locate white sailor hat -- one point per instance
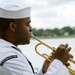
(14, 9)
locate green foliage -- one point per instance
(56, 31)
(65, 31)
(38, 32)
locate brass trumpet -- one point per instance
(49, 58)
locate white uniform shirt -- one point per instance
(19, 65)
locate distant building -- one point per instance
(66, 33)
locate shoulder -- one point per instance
(14, 61)
(9, 54)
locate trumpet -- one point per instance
(49, 58)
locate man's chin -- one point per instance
(28, 42)
(24, 43)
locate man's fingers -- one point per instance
(64, 48)
(61, 48)
(67, 64)
(66, 45)
(68, 49)
(70, 55)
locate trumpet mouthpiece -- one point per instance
(32, 35)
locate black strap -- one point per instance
(25, 57)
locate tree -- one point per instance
(34, 31)
(47, 32)
(67, 29)
(56, 31)
(74, 30)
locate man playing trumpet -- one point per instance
(15, 29)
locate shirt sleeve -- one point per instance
(17, 66)
(56, 68)
(3, 71)
(40, 73)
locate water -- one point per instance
(37, 61)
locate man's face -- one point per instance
(23, 31)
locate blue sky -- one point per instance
(52, 13)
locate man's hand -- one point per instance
(45, 66)
(62, 53)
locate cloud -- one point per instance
(60, 13)
(41, 7)
(58, 2)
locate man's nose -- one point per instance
(31, 29)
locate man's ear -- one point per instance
(12, 26)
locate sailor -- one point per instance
(15, 29)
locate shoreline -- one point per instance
(57, 37)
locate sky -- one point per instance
(52, 13)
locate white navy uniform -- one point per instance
(12, 61)
(16, 64)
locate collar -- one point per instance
(5, 43)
